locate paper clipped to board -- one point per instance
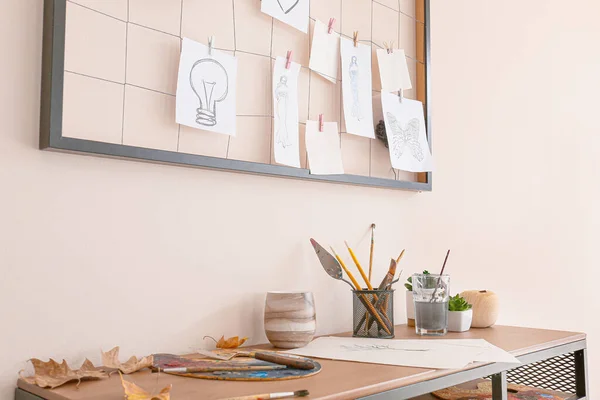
(435, 354)
(357, 88)
(291, 12)
(406, 133)
(324, 52)
(323, 148)
(206, 89)
(286, 142)
(393, 70)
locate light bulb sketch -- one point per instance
(402, 138)
(210, 82)
(282, 96)
(353, 70)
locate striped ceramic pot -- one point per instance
(290, 319)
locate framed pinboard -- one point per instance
(110, 75)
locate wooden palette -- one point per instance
(484, 392)
(236, 369)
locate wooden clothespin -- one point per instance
(355, 35)
(288, 60)
(400, 95)
(330, 27)
(211, 45)
(320, 122)
(390, 48)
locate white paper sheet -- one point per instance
(323, 148)
(357, 88)
(406, 133)
(393, 70)
(206, 89)
(286, 142)
(324, 53)
(291, 12)
(436, 354)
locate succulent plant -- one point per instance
(458, 303)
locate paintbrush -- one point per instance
(280, 395)
(387, 281)
(437, 285)
(372, 250)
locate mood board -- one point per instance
(110, 70)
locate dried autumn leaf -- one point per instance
(231, 343)
(134, 392)
(52, 374)
(110, 359)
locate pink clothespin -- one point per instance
(288, 59)
(320, 122)
(330, 27)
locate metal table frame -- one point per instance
(497, 372)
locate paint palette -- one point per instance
(237, 369)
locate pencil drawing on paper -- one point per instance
(282, 98)
(405, 137)
(354, 76)
(210, 82)
(287, 5)
(375, 347)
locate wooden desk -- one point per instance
(564, 355)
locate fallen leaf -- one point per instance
(231, 343)
(52, 374)
(134, 392)
(110, 359)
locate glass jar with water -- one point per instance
(430, 293)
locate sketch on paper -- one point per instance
(210, 82)
(401, 138)
(206, 89)
(281, 106)
(286, 136)
(287, 5)
(291, 12)
(406, 133)
(354, 74)
(357, 90)
(375, 347)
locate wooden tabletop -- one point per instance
(338, 380)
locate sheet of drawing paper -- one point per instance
(323, 148)
(286, 142)
(291, 12)
(357, 88)
(206, 89)
(324, 53)
(447, 354)
(393, 70)
(406, 133)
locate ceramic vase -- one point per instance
(290, 319)
(460, 321)
(410, 308)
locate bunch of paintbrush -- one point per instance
(376, 306)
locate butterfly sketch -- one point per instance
(287, 5)
(401, 138)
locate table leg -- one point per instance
(499, 386)
(581, 375)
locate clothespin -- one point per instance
(330, 27)
(390, 48)
(355, 34)
(400, 95)
(288, 60)
(211, 45)
(320, 122)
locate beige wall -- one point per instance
(90, 248)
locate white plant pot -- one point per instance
(410, 308)
(460, 321)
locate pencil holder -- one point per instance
(373, 313)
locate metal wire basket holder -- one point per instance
(373, 313)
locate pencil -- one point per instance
(362, 272)
(354, 281)
(371, 251)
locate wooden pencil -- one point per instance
(360, 269)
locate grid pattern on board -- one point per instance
(122, 56)
(557, 373)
